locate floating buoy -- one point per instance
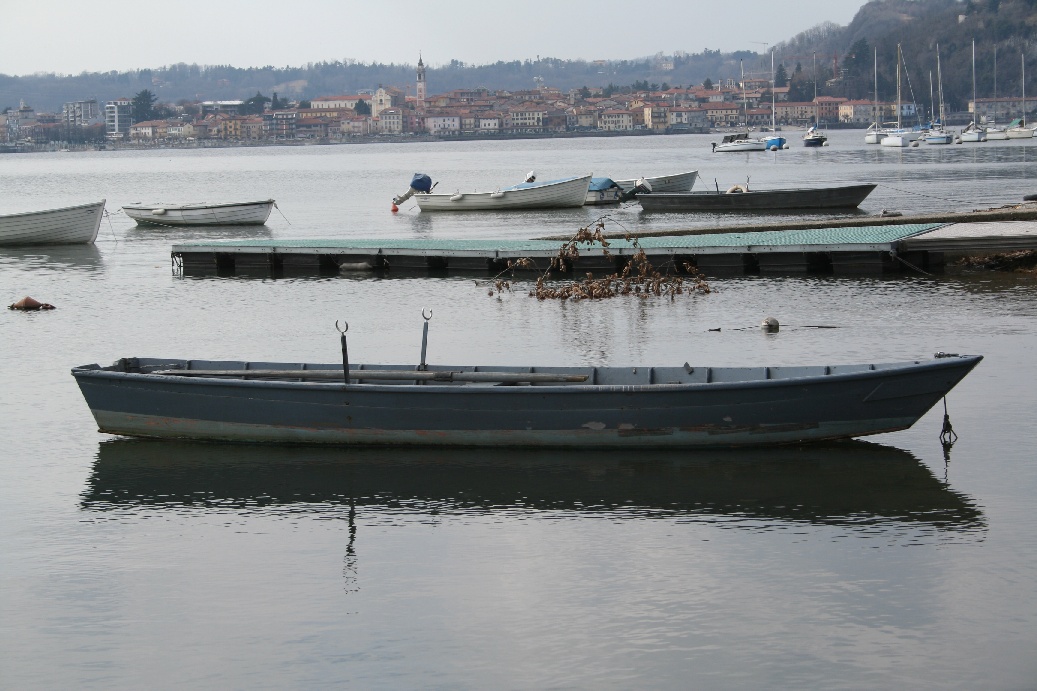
(914, 143)
(774, 147)
(28, 304)
(785, 147)
(770, 325)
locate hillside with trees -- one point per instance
(838, 59)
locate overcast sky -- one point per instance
(69, 37)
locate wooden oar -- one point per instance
(414, 375)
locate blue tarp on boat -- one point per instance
(601, 184)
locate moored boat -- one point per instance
(814, 137)
(680, 182)
(67, 225)
(973, 133)
(739, 198)
(603, 191)
(576, 407)
(740, 141)
(201, 214)
(552, 194)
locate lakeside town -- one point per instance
(751, 102)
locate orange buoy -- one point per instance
(395, 208)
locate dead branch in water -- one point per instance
(638, 276)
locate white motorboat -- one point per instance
(938, 135)
(875, 132)
(974, 133)
(552, 194)
(996, 132)
(681, 182)
(603, 191)
(201, 214)
(68, 225)
(739, 142)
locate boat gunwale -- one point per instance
(876, 371)
(48, 211)
(193, 206)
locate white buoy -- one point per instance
(824, 144)
(774, 147)
(770, 325)
(914, 143)
(786, 146)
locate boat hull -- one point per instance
(939, 138)
(703, 407)
(741, 145)
(561, 194)
(234, 214)
(849, 196)
(681, 182)
(1020, 133)
(973, 136)
(72, 225)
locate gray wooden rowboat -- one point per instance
(591, 407)
(845, 197)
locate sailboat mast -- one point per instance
(932, 99)
(939, 81)
(772, 91)
(875, 107)
(899, 125)
(975, 107)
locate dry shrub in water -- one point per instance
(638, 276)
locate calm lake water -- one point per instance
(881, 564)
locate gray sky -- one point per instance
(69, 37)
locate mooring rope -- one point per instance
(927, 196)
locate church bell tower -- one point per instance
(421, 86)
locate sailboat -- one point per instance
(741, 141)
(774, 141)
(1021, 131)
(899, 137)
(814, 136)
(936, 133)
(974, 132)
(994, 131)
(876, 131)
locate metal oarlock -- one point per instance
(345, 353)
(424, 337)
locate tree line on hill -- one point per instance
(817, 59)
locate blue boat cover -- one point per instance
(421, 182)
(601, 184)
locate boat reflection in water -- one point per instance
(851, 484)
(55, 258)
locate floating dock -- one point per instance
(877, 249)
